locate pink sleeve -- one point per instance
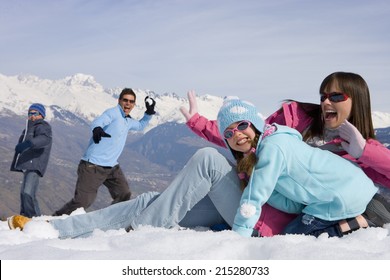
(272, 221)
(292, 115)
(206, 129)
(277, 117)
(375, 162)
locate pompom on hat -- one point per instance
(39, 108)
(235, 110)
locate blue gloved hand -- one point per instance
(23, 146)
(98, 133)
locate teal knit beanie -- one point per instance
(233, 110)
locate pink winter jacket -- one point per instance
(374, 160)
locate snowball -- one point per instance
(149, 101)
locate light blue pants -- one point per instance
(205, 192)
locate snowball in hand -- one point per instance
(150, 101)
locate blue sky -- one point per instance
(263, 50)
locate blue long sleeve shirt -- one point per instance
(114, 122)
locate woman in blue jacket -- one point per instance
(277, 167)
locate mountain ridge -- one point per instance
(83, 97)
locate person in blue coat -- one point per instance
(31, 157)
(99, 164)
(277, 167)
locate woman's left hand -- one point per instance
(193, 106)
(354, 142)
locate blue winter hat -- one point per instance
(234, 110)
(38, 107)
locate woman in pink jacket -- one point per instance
(342, 123)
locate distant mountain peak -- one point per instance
(26, 78)
(84, 80)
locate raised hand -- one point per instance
(354, 142)
(193, 106)
(149, 104)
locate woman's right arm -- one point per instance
(200, 125)
(206, 129)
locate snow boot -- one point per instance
(17, 221)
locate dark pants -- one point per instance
(90, 178)
(310, 225)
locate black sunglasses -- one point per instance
(128, 100)
(333, 96)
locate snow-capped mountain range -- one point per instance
(80, 95)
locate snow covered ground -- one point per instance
(38, 242)
(156, 247)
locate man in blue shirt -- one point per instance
(99, 165)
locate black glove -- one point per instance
(21, 147)
(150, 107)
(98, 133)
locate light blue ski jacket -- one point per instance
(114, 122)
(294, 177)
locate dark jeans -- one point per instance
(90, 178)
(28, 202)
(310, 225)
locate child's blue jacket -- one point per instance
(294, 177)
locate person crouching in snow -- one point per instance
(277, 167)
